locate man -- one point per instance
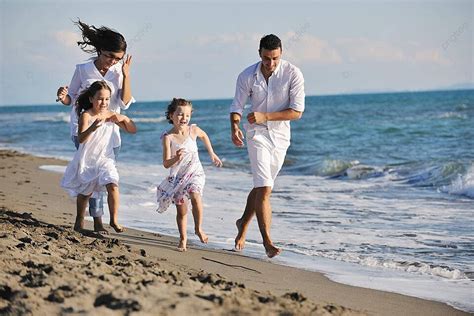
(275, 89)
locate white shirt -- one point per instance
(285, 90)
(84, 76)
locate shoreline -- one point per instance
(26, 188)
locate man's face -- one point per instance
(270, 59)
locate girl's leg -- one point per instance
(197, 214)
(181, 220)
(113, 201)
(81, 204)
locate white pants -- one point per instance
(266, 157)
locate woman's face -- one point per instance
(107, 58)
(100, 101)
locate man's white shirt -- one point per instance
(285, 90)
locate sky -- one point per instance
(196, 49)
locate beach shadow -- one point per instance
(231, 265)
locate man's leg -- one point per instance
(263, 210)
(243, 222)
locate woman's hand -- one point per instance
(62, 94)
(126, 66)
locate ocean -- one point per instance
(377, 190)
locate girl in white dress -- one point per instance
(185, 184)
(93, 169)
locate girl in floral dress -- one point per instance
(185, 184)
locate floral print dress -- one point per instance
(185, 177)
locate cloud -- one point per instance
(363, 49)
(67, 38)
(308, 48)
(431, 56)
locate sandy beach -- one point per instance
(47, 268)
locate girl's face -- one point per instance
(107, 58)
(100, 101)
(182, 116)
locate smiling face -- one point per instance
(100, 101)
(182, 116)
(107, 59)
(270, 60)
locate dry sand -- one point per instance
(47, 268)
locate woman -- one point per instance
(110, 65)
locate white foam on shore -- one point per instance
(53, 168)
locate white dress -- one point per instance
(93, 165)
(185, 177)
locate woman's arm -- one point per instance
(126, 89)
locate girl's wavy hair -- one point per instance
(103, 38)
(83, 102)
(174, 105)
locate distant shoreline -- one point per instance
(350, 93)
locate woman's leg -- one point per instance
(81, 204)
(113, 201)
(182, 220)
(197, 215)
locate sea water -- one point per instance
(377, 190)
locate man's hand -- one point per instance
(257, 117)
(237, 137)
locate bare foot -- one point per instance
(101, 230)
(202, 236)
(117, 227)
(182, 245)
(79, 225)
(272, 251)
(240, 239)
(99, 227)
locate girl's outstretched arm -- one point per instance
(167, 160)
(207, 142)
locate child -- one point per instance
(110, 48)
(93, 165)
(186, 179)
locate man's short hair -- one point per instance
(270, 42)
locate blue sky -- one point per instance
(196, 49)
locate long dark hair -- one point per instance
(174, 105)
(83, 102)
(102, 38)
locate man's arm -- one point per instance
(240, 99)
(285, 115)
(236, 133)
